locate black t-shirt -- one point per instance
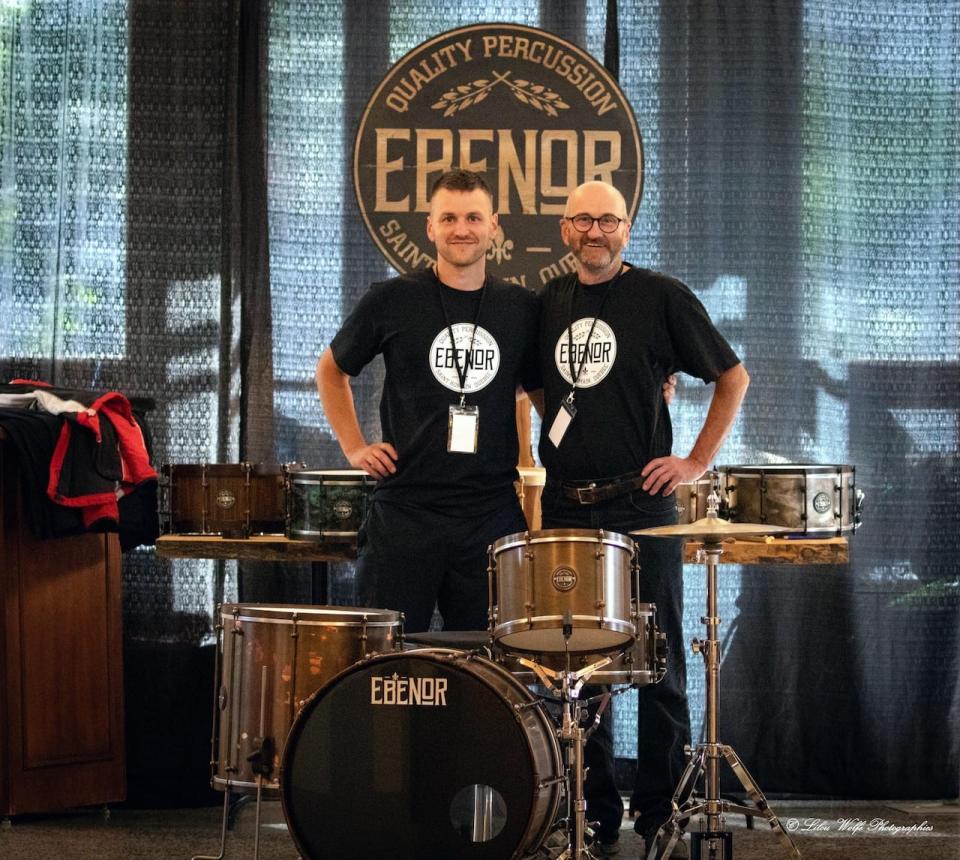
(647, 326)
(404, 319)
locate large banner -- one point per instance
(536, 115)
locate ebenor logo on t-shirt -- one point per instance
(597, 356)
(478, 355)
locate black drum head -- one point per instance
(398, 756)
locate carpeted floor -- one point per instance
(823, 831)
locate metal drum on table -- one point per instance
(545, 584)
(327, 505)
(270, 660)
(691, 499)
(228, 499)
(428, 753)
(529, 489)
(813, 500)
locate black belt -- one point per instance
(591, 492)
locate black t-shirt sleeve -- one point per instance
(699, 349)
(360, 337)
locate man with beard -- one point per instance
(456, 344)
(609, 335)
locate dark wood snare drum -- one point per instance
(228, 499)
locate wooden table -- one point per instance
(263, 548)
(835, 550)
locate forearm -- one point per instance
(333, 385)
(729, 390)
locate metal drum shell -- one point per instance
(410, 751)
(690, 499)
(302, 647)
(814, 500)
(538, 577)
(327, 504)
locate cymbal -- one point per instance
(713, 529)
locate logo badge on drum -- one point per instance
(342, 509)
(226, 499)
(477, 355)
(564, 578)
(597, 356)
(397, 690)
(821, 503)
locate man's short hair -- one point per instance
(459, 179)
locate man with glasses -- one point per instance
(609, 334)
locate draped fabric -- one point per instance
(178, 222)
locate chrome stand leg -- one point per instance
(713, 842)
(223, 832)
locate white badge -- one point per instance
(463, 426)
(565, 415)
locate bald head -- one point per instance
(596, 198)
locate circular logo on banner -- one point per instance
(481, 363)
(532, 113)
(598, 356)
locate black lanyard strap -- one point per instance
(575, 377)
(461, 371)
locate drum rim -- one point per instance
(789, 469)
(298, 476)
(449, 655)
(567, 535)
(354, 615)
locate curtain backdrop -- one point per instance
(178, 222)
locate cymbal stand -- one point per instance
(712, 842)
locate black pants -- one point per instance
(663, 716)
(410, 559)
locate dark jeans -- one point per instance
(410, 559)
(663, 717)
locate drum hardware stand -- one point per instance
(712, 842)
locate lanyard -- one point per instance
(575, 377)
(461, 372)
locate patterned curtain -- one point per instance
(802, 175)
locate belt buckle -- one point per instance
(589, 491)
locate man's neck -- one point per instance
(588, 277)
(464, 278)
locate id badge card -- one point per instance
(463, 425)
(565, 414)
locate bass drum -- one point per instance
(428, 753)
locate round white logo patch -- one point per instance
(602, 352)
(481, 363)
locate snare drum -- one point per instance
(543, 580)
(810, 499)
(270, 660)
(228, 499)
(429, 753)
(327, 505)
(645, 662)
(529, 489)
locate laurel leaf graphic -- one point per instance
(450, 95)
(550, 95)
(466, 103)
(481, 83)
(536, 103)
(464, 88)
(522, 83)
(439, 104)
(549, 109)
(561, 104)
(481, 96)
(537, 88)
(521, 97)
(450, 111)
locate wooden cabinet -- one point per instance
(61, 669)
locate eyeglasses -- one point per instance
(584, 222)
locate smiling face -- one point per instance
(461, 224)
(598, 254)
